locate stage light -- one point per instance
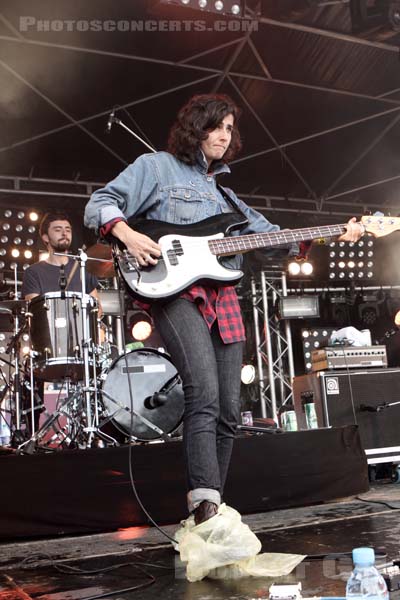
(342, 263)
(15, 253)
(4, 239)
(248, 374)
(29, 242)
(34, 216)
(31, 229)
(28, 254)
(299, 307)
(397, 319)
(25, 350)
(3, 251)
(319, 339)
(6, 226)
(20, 214)
(306, 268)
(293, 268)
(7, 214)
(226, 7)
(141, 326)
(18, 228)
(17, 241)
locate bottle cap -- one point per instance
(363, 556)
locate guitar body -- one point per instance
(186, 257)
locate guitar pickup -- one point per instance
(177, 247)
(172, 257)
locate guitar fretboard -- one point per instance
(244, 243)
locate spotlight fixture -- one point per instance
(351, 260)
(296, 268)
(17, 233)
(394, 14)
(317, 337)
(248, 374)
(226, 7)
(299, 307)
(140, 326)
(293, 268)
(34, 216)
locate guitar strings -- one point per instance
(240, 242)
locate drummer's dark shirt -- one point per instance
(42, 277)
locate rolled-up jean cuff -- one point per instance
(196, 497)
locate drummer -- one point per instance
(48, 275)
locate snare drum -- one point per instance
(56, 333)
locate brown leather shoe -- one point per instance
(205, 511)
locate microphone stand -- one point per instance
(135, 135)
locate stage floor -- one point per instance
(42, 569)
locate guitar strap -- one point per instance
(229, 201)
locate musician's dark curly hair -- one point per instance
(196, 119)
(49, 218)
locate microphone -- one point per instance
(110, 120)
(62, 282)
(156, 400)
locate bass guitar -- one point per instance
(191, 253)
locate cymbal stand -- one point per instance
(91, 426)
(15, 348)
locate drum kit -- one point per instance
(107, 396)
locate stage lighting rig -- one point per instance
(351, 260)
(296, 268)
(233, 8)
(18, 236)
(313, 339)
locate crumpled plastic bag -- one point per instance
(225, 547)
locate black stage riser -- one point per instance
(89, 490)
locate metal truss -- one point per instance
(273, 338)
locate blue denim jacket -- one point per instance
(158, 186)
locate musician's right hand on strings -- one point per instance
(140, 246)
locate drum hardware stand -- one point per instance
(165, 436)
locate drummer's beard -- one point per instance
(61, 246)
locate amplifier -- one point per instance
(348, 357)
(369, 398)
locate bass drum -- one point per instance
(156, 390)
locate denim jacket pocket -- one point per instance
(185, 205)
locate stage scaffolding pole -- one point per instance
(274, 345)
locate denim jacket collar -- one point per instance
(217, 167)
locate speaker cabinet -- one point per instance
(369, 398)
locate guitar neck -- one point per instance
(244, 243)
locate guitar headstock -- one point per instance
(379, 226)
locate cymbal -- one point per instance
(12, 306)
(103, 265)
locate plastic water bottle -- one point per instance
(4, 432)
(366, 582)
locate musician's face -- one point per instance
(59, 236)
(218, 140)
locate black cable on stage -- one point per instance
(130, 466)
(378, 502)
